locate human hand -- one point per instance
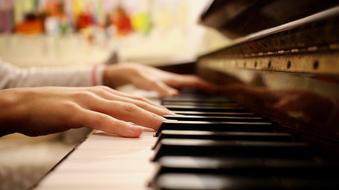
(44, 110)
(149, 78)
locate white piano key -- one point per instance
(103, 162)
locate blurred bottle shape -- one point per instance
(32, 24)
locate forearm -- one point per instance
(11, 76)
(55, 77)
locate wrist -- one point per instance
(116, 75)
(97, 74)
(12, 113)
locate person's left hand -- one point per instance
(149, 78)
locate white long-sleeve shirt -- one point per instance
(12, 77)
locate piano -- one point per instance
(274, 124)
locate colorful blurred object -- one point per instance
(84, 20)
(121, 20)
(32, 24)
(113, 17)
(6, 16)
(142, 22)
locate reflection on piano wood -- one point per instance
(273, 126)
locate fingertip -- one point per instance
(132, 130)
(208, 86)
(169, 92)
(166, 112)
(174, 92)
(155, 122)
(171, 112)
(165, 90)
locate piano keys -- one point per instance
(197, 152)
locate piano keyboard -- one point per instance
(222, 146)
(213, 143)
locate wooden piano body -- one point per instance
(284, 70)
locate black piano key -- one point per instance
(201, 113)
(220, 135)
(213, 118)
(207, 108)
(214, 182)
(196, 99)
(198, 104)
(194, 92)
(215, 126)
(248, 167)
(213, 148)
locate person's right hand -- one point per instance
(44, 110)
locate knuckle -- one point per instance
(102, 87)
(70, 106)
(98, 119)
(142, 104)
(153, 83)
(130, 107)
(140, 98)
(98, 89)
(83, 95)
(72, 114)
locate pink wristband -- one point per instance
(94, 74)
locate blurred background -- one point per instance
(48, 33)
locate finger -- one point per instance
(191, 81)
(157, 109)
(124, 111)
(115, 92)
(202, 84)
(163, 89)
(135, 114)
(158, 86)
(108, 124)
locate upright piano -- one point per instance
(273, 125)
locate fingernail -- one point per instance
(133, 129)
(174, 92)
(162, 118)
(171, 112)
(168, 111)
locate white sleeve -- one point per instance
(11, 76)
